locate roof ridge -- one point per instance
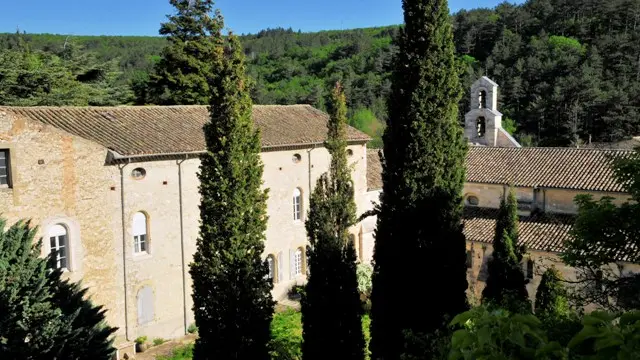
(137, 107)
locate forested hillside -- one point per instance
(569, 70)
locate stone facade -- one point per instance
(61, 179)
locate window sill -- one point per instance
(141, 256)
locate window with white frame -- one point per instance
(140, 238)
(58, 240)
(298, 262)
(5, 173)
(297, 204)
(271, 263)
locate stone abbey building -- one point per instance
(115, 190)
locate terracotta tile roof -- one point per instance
(374, 170)
(154, 130)
(566, 168)
(540, 231)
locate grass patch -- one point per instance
(181, 353)
(286, 338)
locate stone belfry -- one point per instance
(483, 124)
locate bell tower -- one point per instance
(483, 122)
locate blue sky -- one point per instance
(142, 17)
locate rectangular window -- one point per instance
(5, 178)
(58, 243)
(530, 269)
(298, 263)
(297, 212)
(469, 260)
(140, 243)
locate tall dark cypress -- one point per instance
(231, 292)
(419, 238)
(331, 308)
(506, 285)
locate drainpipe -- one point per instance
(184, 274)
(124, 254)
(309, 156)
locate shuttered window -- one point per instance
(297, 204)
(145, 305)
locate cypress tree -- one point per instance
(551, 299)
(419, 236)
(231, 292)
(41, 315)
(181, 76)
(506, 284)
(331, 307)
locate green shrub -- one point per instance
(500, 335)
(181, 353)
(141, 340)
(158, 341)
(192, 329)
(608, 336)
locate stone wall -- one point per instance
(63, 179)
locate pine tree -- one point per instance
(86, 334)
(41, 315)
(181, 76)
(506, 284)
(331, 307)
(231, 292)
(419, 234)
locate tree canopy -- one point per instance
(569, 71)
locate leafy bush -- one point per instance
(497, 335)
(608, 336)
(141, 340)
(158, 341)
(364, 272)
(192, 329)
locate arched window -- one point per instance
(140, 238)
(145, 305)
(482, 99)
(59, 240)
(297, 204)
(273, 268)
(480, 126)
(298, 262)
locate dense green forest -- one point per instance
(569, 70)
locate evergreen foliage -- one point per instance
(232, 299)
(41, 315)
(553, 309)
(181, 77)
(419, 227)
(569, 71)
(331, 308)
(601, 241)
(506, 285)
(551, 299)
